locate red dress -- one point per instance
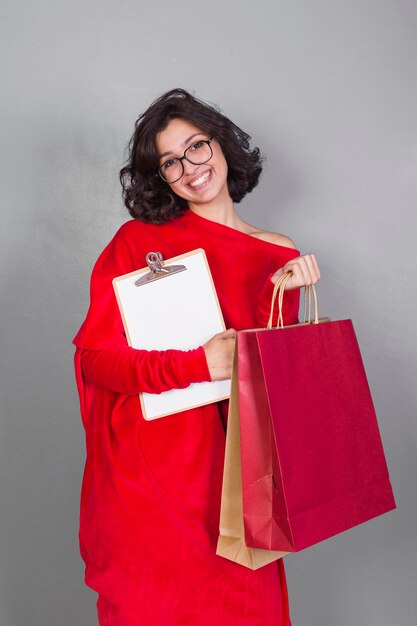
(150, 499)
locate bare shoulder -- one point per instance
(276, 238)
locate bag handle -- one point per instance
(279, 289)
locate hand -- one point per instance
(305, 271)
(219, 354)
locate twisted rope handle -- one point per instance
(279, 289)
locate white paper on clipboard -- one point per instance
(179, 311)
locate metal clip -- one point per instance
(155, 263)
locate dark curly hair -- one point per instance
(147, 197)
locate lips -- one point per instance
(200, 180)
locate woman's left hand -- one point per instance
(305, 271)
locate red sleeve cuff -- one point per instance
(193, 366)
(266, 294)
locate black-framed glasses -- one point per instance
(198, 153)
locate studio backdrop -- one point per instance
(327, 90)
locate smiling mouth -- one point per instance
(198, 182)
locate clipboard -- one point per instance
(172, 304)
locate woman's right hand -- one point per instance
(219, 354)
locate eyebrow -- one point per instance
(184, 144)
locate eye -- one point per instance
(196, 146)
(169, 163)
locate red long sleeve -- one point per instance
(289, 307)
(129, 371)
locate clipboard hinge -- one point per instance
(155, 263)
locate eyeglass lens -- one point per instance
(198, 153)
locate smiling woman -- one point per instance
(197, 153)
(151, 493)
(201, 181)
(146, 196)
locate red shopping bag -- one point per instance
(312, 459)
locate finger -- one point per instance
(313, 263)
(316, 266)
(300, 272)
(305, 275)
(298, 279)
(311, 269)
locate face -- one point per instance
(200, 184)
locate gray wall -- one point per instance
(328, 90)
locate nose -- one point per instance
(189, 167)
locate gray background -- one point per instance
(328, 90)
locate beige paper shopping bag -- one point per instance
(231, 543)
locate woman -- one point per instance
(151, 490)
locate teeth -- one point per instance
(200, 180)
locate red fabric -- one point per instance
(151, 490)
(322, 468)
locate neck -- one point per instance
(221, 211)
